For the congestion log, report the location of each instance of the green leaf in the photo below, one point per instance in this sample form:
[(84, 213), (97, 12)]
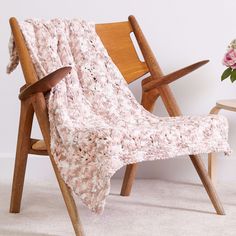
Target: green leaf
[(226, 74), (233, 75)]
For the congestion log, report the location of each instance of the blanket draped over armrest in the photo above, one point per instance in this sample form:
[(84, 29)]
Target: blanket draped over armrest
[(96, 124)]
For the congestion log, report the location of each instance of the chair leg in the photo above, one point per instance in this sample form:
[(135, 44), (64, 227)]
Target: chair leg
[(212, 156), (212, 167), (22, 149), (40, 109), (129, 178), (207, 183), (70, 204)]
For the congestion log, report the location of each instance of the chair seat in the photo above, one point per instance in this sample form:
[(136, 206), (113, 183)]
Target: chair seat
[(39, 146)]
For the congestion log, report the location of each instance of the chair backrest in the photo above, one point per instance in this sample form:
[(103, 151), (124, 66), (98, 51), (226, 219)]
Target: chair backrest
[(116, 39)]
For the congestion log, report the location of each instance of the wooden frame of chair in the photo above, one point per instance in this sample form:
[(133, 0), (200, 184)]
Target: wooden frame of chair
[(116, 38)]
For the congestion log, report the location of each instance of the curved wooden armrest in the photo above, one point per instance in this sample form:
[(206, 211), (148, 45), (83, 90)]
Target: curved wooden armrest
[(155, 83), (45, 84)]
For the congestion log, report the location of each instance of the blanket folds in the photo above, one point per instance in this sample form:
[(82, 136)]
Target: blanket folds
[(96, 124)]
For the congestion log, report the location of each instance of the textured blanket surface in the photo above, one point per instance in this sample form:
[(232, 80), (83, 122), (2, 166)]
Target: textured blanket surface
[(96, 124)]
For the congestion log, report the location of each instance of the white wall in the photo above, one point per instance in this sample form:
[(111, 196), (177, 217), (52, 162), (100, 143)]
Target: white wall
[(180, 33)]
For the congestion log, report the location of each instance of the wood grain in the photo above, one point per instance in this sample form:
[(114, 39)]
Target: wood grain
[(22, 150), (45, 84), (117, 40), (167, 79)]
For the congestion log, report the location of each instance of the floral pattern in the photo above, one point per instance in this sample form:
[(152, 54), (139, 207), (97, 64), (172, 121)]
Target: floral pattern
[(96, 124)]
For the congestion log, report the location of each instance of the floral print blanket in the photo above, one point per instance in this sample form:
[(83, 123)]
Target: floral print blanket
[(96, 124)]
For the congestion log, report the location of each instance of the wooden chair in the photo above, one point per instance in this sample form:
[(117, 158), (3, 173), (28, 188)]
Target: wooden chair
[(116, 38)]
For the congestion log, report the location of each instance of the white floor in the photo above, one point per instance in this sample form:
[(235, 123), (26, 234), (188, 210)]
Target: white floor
[(155, 208)]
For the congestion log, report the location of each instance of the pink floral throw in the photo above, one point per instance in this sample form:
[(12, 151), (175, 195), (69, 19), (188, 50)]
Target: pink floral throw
[(97, 126)]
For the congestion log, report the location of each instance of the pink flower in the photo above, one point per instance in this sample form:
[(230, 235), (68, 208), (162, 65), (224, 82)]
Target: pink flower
[(230, 58)]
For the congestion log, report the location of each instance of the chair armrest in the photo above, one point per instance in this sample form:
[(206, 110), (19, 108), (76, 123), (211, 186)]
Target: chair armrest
[(45, 84), (156, 83)]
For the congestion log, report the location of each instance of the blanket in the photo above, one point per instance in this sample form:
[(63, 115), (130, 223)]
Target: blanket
[(96, 124)]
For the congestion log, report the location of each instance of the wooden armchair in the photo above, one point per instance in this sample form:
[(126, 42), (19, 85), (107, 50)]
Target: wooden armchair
[(116, 38)]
